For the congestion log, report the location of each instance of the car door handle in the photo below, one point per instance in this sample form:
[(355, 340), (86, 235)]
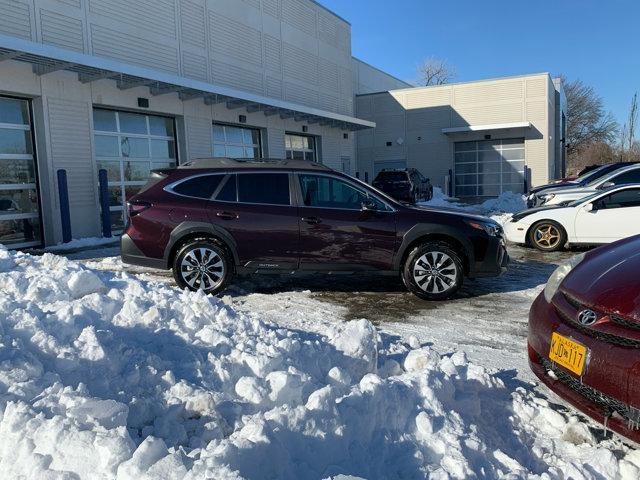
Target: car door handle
[(312, 220), (227, 215)]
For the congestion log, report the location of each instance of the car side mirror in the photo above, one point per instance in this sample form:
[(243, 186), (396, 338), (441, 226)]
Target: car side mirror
[(589, 207), (606, 185), (368, 206)]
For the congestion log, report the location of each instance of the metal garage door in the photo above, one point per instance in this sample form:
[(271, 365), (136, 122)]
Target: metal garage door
[(19, 206), (129, 145), (490, 167)]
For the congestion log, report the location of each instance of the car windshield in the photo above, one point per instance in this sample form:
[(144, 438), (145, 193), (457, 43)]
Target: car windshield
[(392, 176), (582, 200), (380, 193), (591, 174)]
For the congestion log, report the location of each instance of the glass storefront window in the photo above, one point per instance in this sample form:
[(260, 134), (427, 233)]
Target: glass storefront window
[(300, 147), (15, 141)]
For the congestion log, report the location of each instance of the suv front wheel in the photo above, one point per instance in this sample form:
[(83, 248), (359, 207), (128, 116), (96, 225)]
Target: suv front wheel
[(433, 271), (202, 264)]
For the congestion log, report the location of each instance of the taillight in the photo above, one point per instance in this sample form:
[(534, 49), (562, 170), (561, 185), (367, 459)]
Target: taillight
[(135, 207)]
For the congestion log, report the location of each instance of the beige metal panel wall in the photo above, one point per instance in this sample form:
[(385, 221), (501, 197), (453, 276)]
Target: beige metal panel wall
[(287, 49), (418, 115), (368, 79)]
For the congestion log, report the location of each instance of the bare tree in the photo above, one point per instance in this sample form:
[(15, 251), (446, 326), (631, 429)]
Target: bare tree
[(587, 121), (628, 144), (435, 71)]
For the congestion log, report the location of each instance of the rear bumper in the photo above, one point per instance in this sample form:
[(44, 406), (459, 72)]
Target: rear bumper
[(582, 393), (132, 255)]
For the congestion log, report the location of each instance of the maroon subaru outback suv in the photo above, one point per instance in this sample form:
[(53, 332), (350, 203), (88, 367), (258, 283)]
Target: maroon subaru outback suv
[(212, 218)]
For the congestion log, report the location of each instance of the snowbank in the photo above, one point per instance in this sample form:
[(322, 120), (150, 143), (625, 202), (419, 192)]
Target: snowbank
[(103, 375), (500, 208), (81, 243)]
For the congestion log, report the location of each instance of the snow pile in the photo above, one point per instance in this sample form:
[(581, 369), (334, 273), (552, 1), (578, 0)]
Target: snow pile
[(500, 208), (81, 243), (103, 375)]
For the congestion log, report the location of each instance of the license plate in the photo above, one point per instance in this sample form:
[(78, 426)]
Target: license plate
[(564, 351)]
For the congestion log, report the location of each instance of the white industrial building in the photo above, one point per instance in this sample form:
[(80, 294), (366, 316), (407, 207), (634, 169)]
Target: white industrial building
[(132, 85)]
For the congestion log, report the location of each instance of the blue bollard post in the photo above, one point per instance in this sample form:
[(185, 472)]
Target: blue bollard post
[(65, 216), (105, 213)]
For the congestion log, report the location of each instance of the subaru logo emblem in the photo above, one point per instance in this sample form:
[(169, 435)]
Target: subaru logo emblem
[(587, 317)]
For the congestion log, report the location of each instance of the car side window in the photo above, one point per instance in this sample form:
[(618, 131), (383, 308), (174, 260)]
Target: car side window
[(327, 192), (264, 188), (202, 186), (632, 176), (623, 199), (229, 191)]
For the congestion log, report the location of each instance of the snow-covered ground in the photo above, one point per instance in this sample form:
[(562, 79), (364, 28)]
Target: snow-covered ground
[(109, 371)]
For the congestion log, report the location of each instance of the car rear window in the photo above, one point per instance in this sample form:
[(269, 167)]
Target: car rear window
[(392, 176), (202, 186), (264, 188)]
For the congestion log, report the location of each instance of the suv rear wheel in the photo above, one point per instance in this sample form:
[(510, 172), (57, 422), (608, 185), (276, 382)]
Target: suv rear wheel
[(202, 264), (433, 271)]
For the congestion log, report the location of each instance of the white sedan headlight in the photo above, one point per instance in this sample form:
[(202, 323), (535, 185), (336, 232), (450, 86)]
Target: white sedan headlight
[(559, 275), (545, 197)]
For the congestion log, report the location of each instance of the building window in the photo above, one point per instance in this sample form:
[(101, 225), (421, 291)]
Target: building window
[(19, 207), (128, 146), (236, 142), (300, 147), (490, 167)]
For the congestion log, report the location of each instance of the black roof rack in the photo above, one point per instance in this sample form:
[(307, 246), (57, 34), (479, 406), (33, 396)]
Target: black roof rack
[(250, 163)]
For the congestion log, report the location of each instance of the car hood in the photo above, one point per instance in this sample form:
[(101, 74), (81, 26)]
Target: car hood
[(608, 279), (525, 213), (450, 211), (549, 186)]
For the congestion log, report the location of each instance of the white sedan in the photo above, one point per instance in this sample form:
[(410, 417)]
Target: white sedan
[(604, 217)]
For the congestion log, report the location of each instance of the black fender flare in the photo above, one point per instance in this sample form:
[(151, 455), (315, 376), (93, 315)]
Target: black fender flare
[(188, 228), (425, 229)]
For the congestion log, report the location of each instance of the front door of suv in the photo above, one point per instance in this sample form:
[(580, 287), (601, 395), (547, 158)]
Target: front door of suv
[(336, 233), (255, 208)]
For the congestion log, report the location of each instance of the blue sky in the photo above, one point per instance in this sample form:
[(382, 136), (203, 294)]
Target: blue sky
[(596, 41)]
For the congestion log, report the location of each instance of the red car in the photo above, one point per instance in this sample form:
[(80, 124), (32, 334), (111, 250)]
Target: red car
[(584, 335)]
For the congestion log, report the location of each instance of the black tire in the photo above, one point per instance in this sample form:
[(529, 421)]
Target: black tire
[(216, 271), (547, 236), (449, 276)]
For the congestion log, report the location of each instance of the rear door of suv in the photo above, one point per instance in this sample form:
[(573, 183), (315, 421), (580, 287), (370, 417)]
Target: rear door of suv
[(257, 210), (336, 233)]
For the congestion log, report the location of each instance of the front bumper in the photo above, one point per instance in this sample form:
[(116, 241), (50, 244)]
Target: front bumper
[(496, 260), (515, 232), (602, 391)]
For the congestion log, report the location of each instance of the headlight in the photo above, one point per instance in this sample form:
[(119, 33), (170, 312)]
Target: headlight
[(491, 229), (545, 197), (559, 275)]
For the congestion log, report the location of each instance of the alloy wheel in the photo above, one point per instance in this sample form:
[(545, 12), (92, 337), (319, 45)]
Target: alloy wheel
[(547, 236), (202, 268), (435, 272)]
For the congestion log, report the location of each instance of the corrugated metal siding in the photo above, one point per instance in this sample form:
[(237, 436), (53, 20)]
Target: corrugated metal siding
[(274, 87), (331, 151), (15, 19), (428, 98), (297, 93), (71, 3), (272, 7), (300, 15), (128, 48), (300, 64), (536, 87), (192, 23), (237, 77), (275, 141), (71, 148), (154, 16), (229, 38), (328, 77), (194, 66), (253, 3), (61, 30), (272, 53), (487, 114), (488, 92), (199, 140), (329, 102)]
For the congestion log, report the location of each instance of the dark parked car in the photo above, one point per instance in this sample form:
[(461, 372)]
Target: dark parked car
[(588, 175), (213, 218), (584, 335), (406, 185)]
